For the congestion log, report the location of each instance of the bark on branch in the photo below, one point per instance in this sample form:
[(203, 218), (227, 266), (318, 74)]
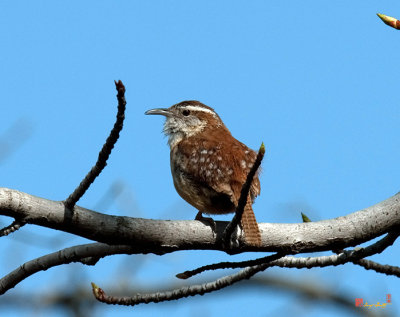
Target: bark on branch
[(159, 236)]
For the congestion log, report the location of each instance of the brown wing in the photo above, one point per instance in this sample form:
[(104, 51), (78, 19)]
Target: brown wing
[(209, 174), (221, 164)]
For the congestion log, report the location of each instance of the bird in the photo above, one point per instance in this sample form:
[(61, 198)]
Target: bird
[(208, 165)]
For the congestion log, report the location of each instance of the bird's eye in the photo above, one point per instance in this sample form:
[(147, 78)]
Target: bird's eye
[(186, 112)]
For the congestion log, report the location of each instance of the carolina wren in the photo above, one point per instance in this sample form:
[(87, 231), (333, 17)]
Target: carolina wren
[(208, 165)]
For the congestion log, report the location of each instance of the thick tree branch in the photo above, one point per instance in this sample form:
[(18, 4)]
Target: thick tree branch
[(166, 235)]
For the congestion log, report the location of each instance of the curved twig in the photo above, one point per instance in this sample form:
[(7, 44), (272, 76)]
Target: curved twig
[(367, 264), (246, 273), (379, 268), (192, 290), (223, 265), (105, 151), (356, 255), (243, 196)]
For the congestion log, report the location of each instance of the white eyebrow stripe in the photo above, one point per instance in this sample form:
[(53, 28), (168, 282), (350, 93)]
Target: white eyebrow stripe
[(198, 108)]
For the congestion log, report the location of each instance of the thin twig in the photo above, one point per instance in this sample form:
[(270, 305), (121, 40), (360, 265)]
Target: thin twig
[(378, 247), (105, 151), (375, 266), (308, 262), (187, 291), (16, 225), (224, 265), (368, 264), (246, 273), (379, 268), (76, 298), (244, 194)]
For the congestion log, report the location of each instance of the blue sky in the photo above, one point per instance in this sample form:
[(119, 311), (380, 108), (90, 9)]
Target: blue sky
[(315, 80)]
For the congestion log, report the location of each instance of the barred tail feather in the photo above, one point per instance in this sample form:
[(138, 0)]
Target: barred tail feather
[(250, 227)]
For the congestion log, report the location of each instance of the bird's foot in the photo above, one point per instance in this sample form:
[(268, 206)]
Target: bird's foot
[(207, 221)]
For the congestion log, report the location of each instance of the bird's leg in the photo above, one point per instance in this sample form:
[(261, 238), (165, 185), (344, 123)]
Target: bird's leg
[(206, 220)]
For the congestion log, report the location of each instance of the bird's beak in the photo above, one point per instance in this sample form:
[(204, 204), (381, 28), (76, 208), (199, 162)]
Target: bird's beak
[(161, 111)]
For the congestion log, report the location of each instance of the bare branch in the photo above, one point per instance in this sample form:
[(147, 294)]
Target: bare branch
[(164, 236), (105, 151), (16, 225), (305, 262), (367, 264), (244, 195), (80, 253), (378, 247), (78, 298), (192, 290), (90, 253), (223, 265), (377, 267), (246, 273)]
